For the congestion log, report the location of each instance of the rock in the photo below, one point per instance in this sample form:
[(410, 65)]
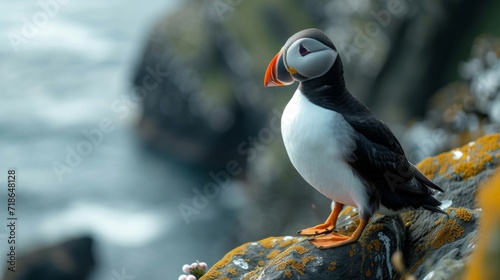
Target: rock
[(460, 172), (448, 268), (297, 258), (434, 242), (71, 260), (433, 245), (485, 259)]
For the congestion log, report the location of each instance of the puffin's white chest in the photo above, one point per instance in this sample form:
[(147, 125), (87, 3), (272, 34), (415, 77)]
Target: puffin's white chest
[(317, 141)]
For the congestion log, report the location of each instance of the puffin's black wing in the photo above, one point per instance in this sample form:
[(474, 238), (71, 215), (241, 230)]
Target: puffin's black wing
[(380, 160)]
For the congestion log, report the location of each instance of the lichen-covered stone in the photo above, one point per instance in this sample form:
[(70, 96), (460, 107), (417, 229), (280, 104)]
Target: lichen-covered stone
[(460, 172), (296, 258), (433, 238), (433, 245), (464, 162)]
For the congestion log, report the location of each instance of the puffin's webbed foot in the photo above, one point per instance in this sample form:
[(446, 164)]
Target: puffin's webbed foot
[(331, 240), (319, 229), (335, 239), (327, 226)]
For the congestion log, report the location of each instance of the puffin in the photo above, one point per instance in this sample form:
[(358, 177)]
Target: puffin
[(338, 145)]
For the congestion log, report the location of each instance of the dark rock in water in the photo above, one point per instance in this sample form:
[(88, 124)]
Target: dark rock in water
[(71, 260), (433, 245), (297, 258)]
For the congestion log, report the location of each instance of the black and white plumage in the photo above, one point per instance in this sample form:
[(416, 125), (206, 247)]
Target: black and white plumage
[(337, 144)]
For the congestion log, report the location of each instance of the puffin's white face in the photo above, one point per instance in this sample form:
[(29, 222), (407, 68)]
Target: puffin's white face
[(309, 59), (304, 59)]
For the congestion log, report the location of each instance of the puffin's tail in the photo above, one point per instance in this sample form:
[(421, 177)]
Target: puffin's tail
[(423, 180), (431, 203)]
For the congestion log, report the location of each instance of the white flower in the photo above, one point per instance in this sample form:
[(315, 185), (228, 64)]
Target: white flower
[(186, 268)]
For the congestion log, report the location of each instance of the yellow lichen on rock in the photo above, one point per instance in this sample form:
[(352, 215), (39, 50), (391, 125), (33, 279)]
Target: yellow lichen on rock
[(214, 272), (465, 162), (297, 266), (485, 259), (450, 232), (248, 276), (272, 254), (268, 243), (299, 249), (442, 234), (464, 214), (287, 242), (467, 169), (352, 251), (276, 246), (374, 228), (291, 263), (374, 245), (332, 266)]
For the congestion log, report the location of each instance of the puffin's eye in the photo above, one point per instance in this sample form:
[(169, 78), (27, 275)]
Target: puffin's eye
[(303, 51)]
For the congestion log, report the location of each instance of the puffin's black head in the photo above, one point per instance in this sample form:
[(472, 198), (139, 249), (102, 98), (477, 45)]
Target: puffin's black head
[(307, 55)]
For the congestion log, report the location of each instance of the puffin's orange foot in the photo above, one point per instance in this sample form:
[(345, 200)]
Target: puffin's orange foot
[(327, 226), (332, 240), (319, 229)]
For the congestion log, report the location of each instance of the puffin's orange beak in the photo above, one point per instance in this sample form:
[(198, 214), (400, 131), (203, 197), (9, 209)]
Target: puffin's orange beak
[(276, 73)]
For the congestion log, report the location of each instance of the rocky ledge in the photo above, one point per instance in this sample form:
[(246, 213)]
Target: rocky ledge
[(432, 245)]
